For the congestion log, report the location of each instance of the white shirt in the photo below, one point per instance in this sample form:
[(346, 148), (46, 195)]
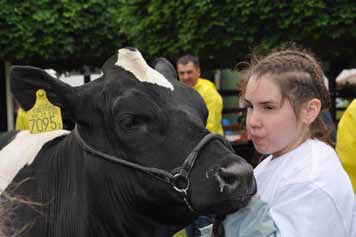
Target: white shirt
[(308, 191)]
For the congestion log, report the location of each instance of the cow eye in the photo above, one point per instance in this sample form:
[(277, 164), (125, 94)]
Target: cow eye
[(129, 122)]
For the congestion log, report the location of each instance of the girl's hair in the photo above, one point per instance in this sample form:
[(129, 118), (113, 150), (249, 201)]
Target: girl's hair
[(300, 78)]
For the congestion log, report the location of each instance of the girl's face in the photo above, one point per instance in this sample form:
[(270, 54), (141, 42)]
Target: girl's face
[(271, 121)]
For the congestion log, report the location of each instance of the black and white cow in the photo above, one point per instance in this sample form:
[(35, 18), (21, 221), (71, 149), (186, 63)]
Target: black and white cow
[(138, 163)]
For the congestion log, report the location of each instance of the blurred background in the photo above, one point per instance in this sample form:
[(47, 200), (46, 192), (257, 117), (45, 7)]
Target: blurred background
[(73, 38)]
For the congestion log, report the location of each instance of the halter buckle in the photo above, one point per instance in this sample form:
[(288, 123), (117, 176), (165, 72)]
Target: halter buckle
[(181, 183)]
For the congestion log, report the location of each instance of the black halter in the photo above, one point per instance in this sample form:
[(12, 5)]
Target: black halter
[(178, 178)]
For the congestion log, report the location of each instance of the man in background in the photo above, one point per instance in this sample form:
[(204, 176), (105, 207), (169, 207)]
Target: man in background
[(188, 68)]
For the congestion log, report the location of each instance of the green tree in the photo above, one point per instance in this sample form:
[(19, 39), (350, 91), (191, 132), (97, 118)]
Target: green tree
[(224, 32), (62, 34)]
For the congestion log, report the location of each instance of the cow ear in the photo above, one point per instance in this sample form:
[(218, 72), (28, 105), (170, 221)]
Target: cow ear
[(165, 67), (26, 80)]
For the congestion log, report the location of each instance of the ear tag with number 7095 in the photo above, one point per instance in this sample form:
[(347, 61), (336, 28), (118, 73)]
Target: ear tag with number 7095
[(44, 116)]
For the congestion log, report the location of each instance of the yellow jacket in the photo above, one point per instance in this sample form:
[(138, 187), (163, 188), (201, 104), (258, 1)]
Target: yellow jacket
[(346, 141), (213, 102)]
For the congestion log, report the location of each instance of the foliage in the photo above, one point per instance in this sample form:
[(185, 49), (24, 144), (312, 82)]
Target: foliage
[(70, 33), (224, 32), (59, 33)]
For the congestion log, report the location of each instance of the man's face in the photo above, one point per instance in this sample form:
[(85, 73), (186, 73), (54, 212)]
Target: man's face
[(188, 73)]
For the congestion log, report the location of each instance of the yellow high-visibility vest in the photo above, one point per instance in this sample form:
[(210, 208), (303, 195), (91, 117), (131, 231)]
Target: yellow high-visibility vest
[(214, 103)]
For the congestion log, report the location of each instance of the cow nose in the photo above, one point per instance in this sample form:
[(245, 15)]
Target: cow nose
[(231, 178)]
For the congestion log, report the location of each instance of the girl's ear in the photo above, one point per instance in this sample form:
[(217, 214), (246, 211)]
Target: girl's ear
[(310, 111)]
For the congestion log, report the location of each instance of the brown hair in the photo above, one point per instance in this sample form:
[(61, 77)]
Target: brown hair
[(300, 78)]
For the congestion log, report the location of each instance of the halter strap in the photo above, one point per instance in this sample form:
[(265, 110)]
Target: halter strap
[(178, 178)]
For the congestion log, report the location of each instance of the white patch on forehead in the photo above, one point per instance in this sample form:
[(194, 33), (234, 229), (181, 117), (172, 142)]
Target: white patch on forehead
[(133, 61), (22, 151)]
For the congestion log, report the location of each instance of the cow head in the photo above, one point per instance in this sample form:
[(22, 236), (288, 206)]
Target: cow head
[(148, 154)]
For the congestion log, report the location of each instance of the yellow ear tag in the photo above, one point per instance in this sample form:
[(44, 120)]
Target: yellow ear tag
[(44, 116)]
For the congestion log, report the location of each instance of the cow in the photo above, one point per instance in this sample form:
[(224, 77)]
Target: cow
[(139, 161)]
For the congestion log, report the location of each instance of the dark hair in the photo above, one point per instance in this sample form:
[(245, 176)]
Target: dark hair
[(299, 76), (188, 58)]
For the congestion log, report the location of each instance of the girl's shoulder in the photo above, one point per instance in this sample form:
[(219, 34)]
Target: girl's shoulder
[(314, 154), (312, 161), (308, 153), (318, 164), (322, 147)]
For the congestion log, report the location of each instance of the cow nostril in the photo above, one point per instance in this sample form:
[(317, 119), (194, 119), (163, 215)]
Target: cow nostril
[(228, 181), (228, 176)]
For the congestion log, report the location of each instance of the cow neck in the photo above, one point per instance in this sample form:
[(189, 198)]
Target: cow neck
[(178, 178)]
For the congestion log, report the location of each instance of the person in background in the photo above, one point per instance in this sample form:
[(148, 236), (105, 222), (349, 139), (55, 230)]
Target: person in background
[(346, 141), (188, 69), (302, 188)]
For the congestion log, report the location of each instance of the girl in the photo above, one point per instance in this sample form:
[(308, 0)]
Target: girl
[(302, 188)]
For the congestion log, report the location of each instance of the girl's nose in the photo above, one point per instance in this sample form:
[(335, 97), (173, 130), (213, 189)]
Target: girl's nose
[(253, 119)]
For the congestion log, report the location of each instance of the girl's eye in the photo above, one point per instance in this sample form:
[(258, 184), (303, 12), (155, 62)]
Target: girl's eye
[(268, 107)]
